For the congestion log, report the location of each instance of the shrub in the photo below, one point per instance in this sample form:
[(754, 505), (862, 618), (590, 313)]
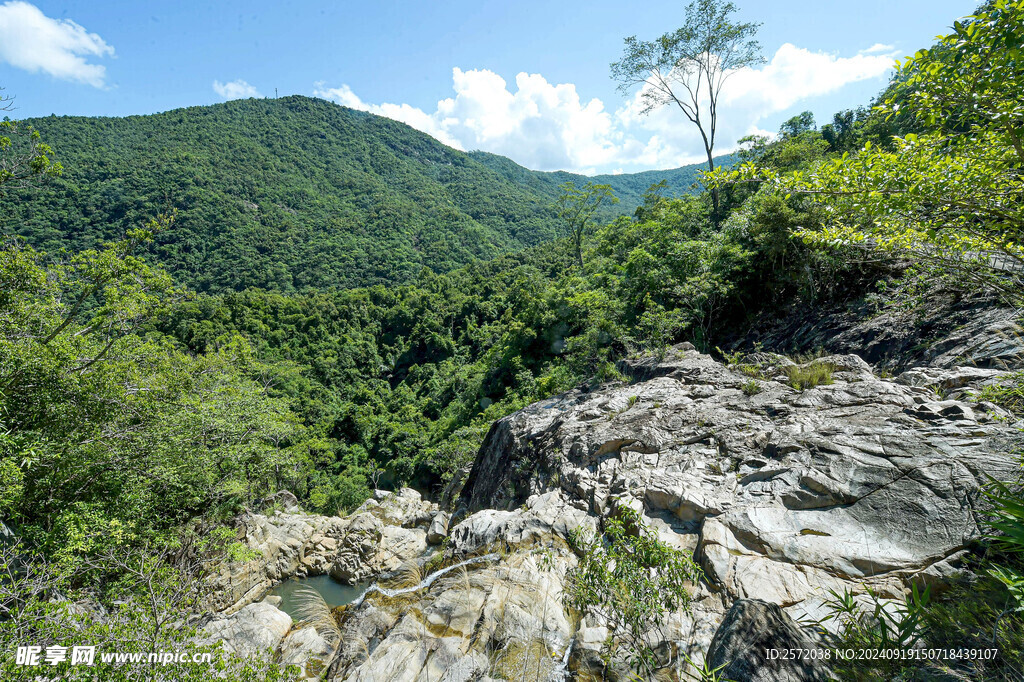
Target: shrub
[(752, 371), (631, 581)]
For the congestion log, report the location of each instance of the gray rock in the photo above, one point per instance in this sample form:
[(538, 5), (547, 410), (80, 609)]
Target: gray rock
[(285, 498), (490, 620), (297, 544), (785, 492), (451, 492), (750, 631), (942, 332), (405, 508), (543, 520), (942, 379), (438, 530), (782, 495), (254, 630), (283, 545), (398, 545), (307, 649)]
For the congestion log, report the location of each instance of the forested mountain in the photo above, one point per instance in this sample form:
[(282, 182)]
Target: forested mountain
[(291, 194), (628, 187), (635, 441)]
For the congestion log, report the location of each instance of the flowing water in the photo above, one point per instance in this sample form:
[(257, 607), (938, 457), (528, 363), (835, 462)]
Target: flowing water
[(333, 592), (425, 583), (337, 594)]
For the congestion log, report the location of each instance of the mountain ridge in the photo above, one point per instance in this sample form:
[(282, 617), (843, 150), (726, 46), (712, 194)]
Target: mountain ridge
[(291, 194)]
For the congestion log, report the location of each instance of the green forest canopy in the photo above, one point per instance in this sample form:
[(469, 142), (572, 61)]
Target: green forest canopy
[(291, 194)]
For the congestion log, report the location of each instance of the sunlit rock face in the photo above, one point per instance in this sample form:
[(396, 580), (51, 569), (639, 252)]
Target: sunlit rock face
[(781, 494)]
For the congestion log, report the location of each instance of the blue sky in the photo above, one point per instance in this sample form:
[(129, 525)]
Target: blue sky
[(526, 79)]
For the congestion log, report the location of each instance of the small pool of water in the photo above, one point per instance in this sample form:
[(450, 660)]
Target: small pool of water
[(333, 592)]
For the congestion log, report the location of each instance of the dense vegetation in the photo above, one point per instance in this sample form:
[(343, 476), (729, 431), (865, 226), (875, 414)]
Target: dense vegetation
[(139, 414), (630, 188), (289, 194)]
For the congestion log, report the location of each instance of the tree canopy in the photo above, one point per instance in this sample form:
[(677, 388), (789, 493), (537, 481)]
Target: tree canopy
[(289, 194), (951, 195), (576, 207), (690, 66)]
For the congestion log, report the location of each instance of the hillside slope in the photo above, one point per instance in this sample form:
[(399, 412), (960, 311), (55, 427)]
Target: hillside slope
[(628, 187), (285, 194)]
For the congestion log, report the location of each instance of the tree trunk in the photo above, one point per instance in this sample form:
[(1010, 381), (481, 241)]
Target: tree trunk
[(714, 191)]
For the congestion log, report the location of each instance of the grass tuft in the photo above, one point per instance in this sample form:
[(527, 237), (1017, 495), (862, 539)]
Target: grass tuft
[(313, 610), (809, 376), (1009, 393)]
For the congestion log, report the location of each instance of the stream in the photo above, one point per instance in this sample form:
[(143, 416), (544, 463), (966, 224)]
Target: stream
[(333, 592)]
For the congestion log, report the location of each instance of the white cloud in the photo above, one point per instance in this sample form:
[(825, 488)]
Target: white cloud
[(540, 125), (34, 42), (879, 48), (405, 113), (237, 89), (549, 126), (795, 74)]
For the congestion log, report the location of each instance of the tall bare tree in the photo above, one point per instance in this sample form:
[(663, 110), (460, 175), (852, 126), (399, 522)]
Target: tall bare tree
[(576, 207), (689, 66)]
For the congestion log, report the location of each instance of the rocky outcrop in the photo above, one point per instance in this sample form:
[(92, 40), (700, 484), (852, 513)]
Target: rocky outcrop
[(543, 520), (498, 611), (280, 546), (864, 480), (781, 494), (385, 531), (499, 617), (263, 630), (759, 642), (254, 630), (308, 650), (438, 529), (942, 331)]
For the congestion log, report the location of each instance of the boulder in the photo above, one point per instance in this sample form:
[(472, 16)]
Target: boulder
[(358, 546), (545, 519), (307, 649), (405, 508), (297, 544), (438, 529), (253, 630), (283, 498), (947, 379), (398, 545)]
